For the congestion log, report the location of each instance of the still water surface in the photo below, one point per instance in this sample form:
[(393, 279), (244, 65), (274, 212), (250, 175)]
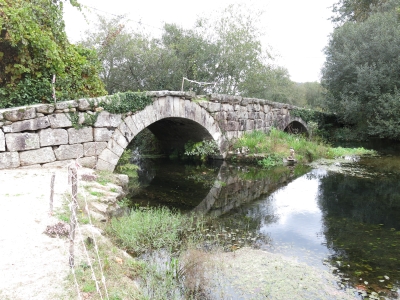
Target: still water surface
[(345, 218)]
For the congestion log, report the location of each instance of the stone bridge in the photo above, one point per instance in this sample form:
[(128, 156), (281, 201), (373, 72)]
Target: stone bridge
[(47, 135)]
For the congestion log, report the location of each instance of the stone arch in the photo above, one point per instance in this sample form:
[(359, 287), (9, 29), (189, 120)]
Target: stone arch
[(296, 125), (162, 108)]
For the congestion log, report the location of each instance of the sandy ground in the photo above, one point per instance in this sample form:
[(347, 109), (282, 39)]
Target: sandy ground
[(32, 264)]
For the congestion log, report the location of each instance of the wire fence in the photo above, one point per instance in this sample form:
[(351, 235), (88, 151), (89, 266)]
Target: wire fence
[(77, 248)]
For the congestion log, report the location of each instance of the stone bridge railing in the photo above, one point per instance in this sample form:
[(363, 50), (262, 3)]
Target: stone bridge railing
[(51, 135)]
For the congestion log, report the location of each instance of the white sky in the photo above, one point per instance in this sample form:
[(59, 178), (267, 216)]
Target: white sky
[(296, 30)]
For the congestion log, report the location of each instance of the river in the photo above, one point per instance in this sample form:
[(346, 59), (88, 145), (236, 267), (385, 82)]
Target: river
[(343, 217)]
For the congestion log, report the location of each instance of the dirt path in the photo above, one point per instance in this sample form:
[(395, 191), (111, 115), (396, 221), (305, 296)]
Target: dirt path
[(32, 264)]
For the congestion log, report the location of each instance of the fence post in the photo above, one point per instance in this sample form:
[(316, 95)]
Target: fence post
[(72, 171), (53, 176)]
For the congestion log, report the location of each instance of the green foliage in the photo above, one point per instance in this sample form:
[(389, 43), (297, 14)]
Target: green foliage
[(224, 49), (148, 228), (270, 161), (361, 72), (122, 103), (34, 47), (275, 146), (201, 149)]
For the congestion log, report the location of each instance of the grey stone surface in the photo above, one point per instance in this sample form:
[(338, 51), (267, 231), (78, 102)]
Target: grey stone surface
[(7, 129), (66, 104), (22, 141), (122, 139), (30, 125), (58, 164), (115, 147), (59, 120), (109, 156), (1, 116), (88, 162), (9, 160), (45, 109), (104, 165), (93, 148), (80, 135), (39, 156), (64, 152), (2, 141), (102, 134), (105, 119), (83, 104), (53, 137), (23, 113), (214, 107)]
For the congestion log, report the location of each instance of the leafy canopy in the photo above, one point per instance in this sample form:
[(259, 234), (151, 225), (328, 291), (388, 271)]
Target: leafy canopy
[(33, 47), (361, 72)]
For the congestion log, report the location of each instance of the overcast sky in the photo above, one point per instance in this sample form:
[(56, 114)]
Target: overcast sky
[(296, 30)]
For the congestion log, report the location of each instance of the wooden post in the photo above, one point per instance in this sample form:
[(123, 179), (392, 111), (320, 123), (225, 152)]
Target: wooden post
[(74, 204), (53, 176)]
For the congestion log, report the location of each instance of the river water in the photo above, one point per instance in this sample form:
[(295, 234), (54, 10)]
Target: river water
[(343, 217)]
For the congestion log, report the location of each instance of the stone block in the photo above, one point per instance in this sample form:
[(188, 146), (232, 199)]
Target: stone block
[(109, 156), (249, 125), (64, 152), (22, 141), (232, 126), (259, 124), (1, 116), (115, 147), (93, 148), (2, 141), (102, 134), (58, 164), (82, 135), (30, 125), (45, 109), (60, 120), (232, 116), (53, 137), (104, 165), (227, 107), (214, 107), (105, 119), (131, 125), (88, 162), (122, 139), (83, 105), (20, 114), (39, 156), (9, 160), (66, 104)]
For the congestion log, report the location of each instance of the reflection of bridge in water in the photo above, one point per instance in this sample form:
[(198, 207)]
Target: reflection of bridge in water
[(234, 187)]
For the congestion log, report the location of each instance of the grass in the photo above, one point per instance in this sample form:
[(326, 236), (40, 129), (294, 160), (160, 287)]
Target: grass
[(275, 146), (148, 228)]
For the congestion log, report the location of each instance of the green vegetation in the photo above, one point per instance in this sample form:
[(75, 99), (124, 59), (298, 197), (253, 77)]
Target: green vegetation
[(224, 49), (148, 228), (34, 47), (201, 150), (361, 69), (275, 146)]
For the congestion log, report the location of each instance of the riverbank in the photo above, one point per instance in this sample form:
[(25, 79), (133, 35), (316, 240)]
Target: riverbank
[(35, 266)]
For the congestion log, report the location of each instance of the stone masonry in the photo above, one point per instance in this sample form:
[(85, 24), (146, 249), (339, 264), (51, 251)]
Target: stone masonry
[(43, 135)]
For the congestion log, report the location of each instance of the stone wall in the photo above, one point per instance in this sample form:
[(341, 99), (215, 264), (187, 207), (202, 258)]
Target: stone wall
[(53, 135)]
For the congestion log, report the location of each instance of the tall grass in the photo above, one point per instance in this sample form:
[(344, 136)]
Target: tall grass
[(149, 228), (275, 145)]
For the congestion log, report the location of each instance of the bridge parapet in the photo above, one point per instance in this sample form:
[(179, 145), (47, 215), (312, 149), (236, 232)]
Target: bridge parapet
[(52, 135)]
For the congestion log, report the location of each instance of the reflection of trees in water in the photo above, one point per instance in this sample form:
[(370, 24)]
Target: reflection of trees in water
[(362, 226)]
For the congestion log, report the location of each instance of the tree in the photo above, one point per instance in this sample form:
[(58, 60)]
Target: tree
[(34, 47), (354, 10), (362, 69)]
